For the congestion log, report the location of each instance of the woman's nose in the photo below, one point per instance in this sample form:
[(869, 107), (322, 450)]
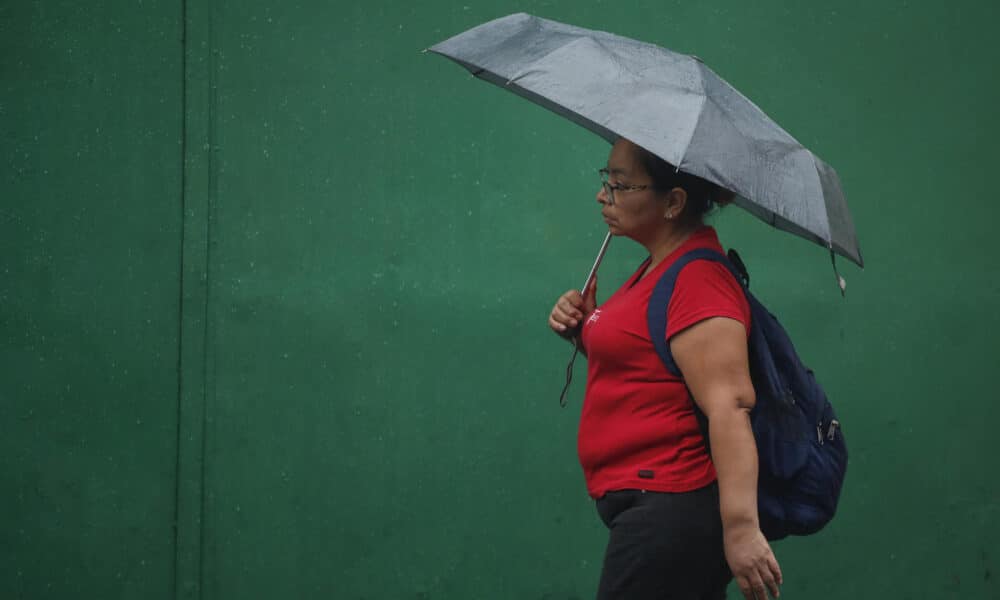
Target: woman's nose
[(602, 195)]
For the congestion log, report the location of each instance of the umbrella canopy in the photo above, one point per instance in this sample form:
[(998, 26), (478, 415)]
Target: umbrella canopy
[(670, 104)]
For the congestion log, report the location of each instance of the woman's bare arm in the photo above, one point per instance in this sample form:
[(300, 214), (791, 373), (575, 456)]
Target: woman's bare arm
[(712, 355)]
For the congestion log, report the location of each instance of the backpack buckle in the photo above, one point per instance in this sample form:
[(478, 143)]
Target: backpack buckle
[(832, 432), (741, 268)]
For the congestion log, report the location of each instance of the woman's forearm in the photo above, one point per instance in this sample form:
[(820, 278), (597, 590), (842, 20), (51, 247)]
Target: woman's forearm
[(734, 454)]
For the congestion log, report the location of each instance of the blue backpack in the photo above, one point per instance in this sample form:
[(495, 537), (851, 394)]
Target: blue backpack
[(800, 446)]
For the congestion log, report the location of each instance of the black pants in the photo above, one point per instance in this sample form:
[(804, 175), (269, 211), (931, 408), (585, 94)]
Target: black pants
[(663, 546)]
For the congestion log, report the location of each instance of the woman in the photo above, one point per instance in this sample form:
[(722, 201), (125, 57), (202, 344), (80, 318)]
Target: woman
[(681, 523)]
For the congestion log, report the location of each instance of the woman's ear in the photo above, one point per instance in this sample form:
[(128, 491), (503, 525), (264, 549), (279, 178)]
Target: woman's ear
[(676, 201)]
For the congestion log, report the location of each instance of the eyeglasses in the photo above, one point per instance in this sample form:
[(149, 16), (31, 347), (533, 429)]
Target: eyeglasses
[(611, 188)]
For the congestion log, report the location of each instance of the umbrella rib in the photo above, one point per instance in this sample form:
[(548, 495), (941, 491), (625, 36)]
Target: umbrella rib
[(852, 254), (701, 111)]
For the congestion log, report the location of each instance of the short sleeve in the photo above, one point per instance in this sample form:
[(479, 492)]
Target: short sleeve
[(705, 289)]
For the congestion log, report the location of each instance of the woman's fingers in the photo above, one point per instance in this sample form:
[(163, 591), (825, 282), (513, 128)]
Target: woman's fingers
[(759, 591), (567, 317), (571, 304), (775, 572), (571, 298), (556, 325), (753, 590), (772, 586), (764, 582), (756, 585), (746, 588), (568, 312)]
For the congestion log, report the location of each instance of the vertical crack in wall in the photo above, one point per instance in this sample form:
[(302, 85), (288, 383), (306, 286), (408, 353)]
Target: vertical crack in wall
[(194, 342)]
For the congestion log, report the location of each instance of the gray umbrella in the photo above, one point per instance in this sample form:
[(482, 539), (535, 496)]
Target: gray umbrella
[(670, 104)]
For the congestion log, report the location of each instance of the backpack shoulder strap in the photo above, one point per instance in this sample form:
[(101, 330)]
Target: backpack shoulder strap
[(659, 301)]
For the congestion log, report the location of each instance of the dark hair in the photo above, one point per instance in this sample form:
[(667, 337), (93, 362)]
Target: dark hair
[(702, 195)]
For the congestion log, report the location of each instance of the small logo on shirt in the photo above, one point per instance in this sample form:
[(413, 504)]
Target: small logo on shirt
[(594, 316)]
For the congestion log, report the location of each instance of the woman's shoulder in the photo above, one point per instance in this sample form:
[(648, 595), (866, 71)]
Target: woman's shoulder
[(709, 273), (706, 289)]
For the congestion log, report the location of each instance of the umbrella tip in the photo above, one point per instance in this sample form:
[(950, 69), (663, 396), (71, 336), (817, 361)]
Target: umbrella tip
[(841, 282)]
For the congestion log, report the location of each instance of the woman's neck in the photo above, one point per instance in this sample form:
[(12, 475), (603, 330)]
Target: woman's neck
[(670, 240)]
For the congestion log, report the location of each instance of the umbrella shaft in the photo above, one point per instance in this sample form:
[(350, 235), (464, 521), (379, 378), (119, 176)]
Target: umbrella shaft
[(597, 263)]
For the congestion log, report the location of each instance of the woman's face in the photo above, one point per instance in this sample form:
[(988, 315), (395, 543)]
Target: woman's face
[(637, 214)]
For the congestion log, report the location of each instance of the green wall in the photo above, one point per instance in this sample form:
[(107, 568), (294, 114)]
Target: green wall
[(274, 288), (90, 220)]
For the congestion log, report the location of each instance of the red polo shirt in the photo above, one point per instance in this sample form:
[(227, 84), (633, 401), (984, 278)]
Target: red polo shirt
[(638, 428)]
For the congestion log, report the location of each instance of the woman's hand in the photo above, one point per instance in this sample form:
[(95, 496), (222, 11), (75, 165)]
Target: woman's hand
[(570, 310), (753, 564)]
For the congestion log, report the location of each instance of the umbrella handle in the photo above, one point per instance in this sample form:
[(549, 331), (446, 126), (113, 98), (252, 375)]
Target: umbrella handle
[(576, 332)]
